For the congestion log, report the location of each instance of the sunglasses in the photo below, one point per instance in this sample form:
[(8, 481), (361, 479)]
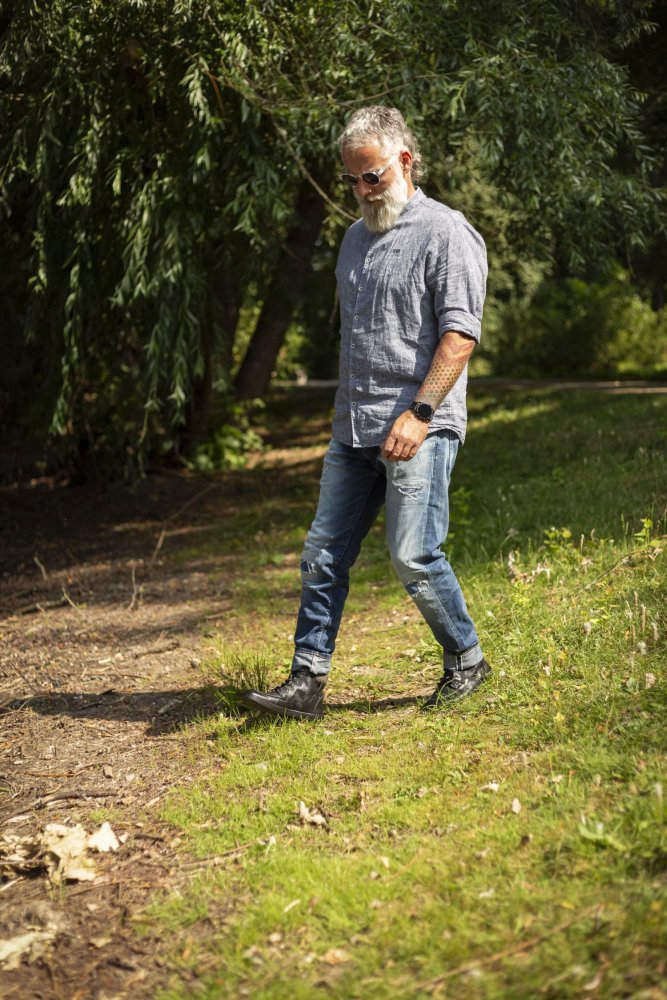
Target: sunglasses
[(370, 177)]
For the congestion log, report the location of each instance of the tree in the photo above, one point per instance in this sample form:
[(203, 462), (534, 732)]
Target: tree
[(158, 162)]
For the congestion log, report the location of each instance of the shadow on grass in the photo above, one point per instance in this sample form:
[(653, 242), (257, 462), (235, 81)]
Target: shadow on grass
[(166, 712), (533, 459)]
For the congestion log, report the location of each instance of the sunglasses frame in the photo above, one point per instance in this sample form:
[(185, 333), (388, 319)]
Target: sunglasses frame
[(371, 177)]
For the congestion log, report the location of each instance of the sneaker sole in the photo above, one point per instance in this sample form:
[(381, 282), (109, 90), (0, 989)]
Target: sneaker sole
[(286, 713)]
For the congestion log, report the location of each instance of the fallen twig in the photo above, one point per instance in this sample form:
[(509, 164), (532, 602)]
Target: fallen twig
[(35, 690), (217, 859), (69, 601), (154, 650), (136, 591), (37, 560), (44, 800), (619, 562), (514, 950), (172, 517), (41, 606), (63, 774)]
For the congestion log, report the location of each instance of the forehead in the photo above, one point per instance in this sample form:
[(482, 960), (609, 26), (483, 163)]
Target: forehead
[(370, 156)]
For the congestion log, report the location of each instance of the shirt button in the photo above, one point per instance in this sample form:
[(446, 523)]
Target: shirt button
[(356, 315), (361, 288)]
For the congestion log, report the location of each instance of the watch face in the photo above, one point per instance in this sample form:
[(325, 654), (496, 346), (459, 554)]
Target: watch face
[(423, 410)]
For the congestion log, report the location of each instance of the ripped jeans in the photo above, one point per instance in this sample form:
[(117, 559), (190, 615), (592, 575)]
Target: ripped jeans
[(355, 483)]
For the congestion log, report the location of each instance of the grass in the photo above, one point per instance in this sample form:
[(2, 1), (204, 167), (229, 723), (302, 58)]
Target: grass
[(512, 846)]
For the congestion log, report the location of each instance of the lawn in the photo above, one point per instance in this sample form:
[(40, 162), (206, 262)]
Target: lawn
[(514, 845)]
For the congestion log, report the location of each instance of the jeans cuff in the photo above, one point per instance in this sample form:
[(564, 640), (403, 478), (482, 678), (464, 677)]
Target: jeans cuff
[(308, 659), (462, 661)]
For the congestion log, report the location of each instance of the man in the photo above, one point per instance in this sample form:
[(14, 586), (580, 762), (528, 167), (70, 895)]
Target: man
[(411, 276)]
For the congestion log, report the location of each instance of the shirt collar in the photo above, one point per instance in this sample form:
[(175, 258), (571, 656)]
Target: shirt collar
[(416, 200)]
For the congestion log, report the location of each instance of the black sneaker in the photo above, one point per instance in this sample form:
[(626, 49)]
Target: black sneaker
[(301, 696), (457, 684)]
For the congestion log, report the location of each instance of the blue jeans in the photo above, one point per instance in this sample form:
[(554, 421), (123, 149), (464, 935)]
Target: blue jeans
[(355, 483)]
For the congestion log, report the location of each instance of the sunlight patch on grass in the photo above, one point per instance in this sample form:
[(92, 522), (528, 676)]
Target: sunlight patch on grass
[(533, 813)]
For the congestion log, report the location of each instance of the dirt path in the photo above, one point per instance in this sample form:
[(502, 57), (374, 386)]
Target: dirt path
[(100, 646)]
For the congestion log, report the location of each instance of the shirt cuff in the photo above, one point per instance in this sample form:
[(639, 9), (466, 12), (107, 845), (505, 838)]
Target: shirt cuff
[(461, 321)]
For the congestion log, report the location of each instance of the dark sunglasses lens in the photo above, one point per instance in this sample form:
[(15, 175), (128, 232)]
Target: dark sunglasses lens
[(370, 178)]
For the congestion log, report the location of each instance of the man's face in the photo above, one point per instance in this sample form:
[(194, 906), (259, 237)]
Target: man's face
[(382, 203)]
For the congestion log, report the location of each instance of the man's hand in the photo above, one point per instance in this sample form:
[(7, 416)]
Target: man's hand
[(405, 438)]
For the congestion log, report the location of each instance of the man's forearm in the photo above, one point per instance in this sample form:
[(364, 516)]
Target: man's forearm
[(449, 360), (408, 431)]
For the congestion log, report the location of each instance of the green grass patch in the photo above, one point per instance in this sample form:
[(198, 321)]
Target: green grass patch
[(512, 846)]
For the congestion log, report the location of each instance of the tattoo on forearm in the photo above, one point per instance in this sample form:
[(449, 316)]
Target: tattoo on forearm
[(439, 382), (448, 363)]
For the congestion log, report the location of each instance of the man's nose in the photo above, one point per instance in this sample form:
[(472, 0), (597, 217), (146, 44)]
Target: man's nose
[(363, 188)]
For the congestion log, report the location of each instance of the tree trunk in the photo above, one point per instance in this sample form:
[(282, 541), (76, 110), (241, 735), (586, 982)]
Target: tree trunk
[(202, 393), (216, 345), (290, 275)]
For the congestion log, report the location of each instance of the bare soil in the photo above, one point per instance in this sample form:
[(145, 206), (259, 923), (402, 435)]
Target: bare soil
[(100, 648)]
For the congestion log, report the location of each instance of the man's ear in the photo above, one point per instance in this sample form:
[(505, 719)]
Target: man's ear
[(405, 157)]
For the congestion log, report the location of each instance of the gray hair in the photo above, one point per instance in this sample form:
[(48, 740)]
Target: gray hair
[(385, 125)]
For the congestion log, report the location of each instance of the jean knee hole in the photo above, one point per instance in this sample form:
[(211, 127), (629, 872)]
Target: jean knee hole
[(412, 491)]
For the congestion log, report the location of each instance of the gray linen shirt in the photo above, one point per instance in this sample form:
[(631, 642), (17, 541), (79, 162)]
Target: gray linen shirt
[(399, 292)]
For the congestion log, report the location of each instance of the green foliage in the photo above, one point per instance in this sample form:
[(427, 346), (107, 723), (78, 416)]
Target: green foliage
[(574, 327), (228, 446), (151, 154)]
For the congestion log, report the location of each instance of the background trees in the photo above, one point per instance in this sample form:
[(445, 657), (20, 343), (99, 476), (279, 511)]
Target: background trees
[(170, 209)]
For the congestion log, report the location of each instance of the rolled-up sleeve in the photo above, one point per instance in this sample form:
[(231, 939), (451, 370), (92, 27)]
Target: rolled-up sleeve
[(456, 276)]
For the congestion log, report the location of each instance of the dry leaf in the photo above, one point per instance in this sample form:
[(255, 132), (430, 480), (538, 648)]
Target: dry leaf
[(314, 817), (66, 853), (104, 840), (29, 946), (43, 925), (649, 680), (595, 982), (100, 942), (107, 771), (516, 807), (290, 906), (487, 894), (335, 956), (492, 786)]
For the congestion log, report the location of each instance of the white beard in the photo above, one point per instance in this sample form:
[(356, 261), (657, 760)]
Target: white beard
[(380, 211)]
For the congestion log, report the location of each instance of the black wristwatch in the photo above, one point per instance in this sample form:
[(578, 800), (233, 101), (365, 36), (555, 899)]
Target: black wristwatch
[(422, 411)]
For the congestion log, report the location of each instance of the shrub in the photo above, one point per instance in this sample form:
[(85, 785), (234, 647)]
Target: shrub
[(574, 327)]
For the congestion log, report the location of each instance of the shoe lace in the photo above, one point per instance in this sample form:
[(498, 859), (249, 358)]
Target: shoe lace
[(287, 686)]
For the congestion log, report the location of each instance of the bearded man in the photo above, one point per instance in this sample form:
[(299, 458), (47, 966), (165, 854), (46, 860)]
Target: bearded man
[(411, 277)]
